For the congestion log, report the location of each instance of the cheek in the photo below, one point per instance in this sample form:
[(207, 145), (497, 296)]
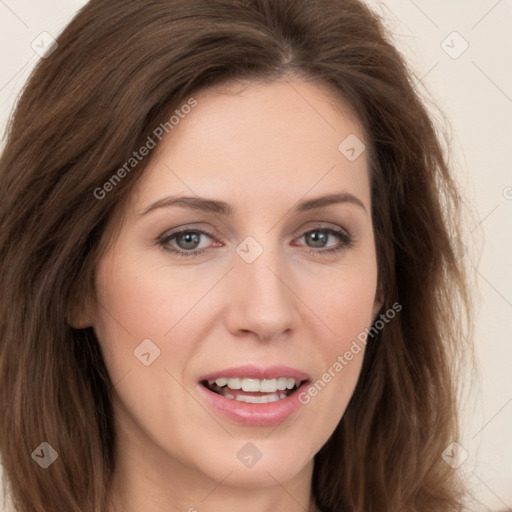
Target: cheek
[(139, 313), (140, 301), (347, 311), (136, 303), (346, 303), (133, 306), (133, 297)]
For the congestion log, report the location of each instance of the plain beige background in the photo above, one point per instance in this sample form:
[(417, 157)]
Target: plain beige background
[(461, 53)]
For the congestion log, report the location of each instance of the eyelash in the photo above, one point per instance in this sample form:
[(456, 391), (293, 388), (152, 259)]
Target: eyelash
[(345, 237)]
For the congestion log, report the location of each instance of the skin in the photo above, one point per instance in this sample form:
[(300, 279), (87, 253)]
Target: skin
[(261, 148)]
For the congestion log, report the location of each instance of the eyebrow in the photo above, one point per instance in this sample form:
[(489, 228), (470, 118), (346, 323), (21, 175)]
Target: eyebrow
[(223, 208)]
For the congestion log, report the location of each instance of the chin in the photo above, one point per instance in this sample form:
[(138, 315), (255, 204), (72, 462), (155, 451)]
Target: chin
[(257, 462)]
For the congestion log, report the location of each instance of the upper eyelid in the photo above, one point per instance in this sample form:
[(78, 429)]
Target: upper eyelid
[(311, 225), (302, 230), (168, 236)]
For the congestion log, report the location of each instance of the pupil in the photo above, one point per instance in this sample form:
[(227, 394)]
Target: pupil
[(317, 238), (189, 238)]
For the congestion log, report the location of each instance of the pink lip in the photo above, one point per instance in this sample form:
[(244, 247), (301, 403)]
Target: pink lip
[(254, 372), (243, 413)]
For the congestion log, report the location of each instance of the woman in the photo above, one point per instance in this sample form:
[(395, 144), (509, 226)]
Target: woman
[(226, 266)]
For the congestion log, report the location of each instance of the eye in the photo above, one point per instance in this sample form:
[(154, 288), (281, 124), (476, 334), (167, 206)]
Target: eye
[(186, 242), (193, 242), (188, 239), (318, 238)]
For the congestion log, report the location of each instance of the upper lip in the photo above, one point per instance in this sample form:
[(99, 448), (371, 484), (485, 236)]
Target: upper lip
[(256, 372)]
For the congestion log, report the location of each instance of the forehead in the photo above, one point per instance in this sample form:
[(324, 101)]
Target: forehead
[(253, 139)]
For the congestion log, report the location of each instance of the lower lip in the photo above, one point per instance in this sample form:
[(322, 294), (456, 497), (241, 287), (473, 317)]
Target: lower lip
[(261, 415)]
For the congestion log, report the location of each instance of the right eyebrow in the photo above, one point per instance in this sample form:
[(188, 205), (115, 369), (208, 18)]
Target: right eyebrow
[(195, 203)]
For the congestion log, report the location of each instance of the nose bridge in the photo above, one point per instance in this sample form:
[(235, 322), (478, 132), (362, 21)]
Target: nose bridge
[(261, 302)]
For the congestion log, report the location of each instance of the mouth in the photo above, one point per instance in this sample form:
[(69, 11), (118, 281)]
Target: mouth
[(254, 391), (254, 395)]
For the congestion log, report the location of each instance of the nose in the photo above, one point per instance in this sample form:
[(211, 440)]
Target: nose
[(261, 298)]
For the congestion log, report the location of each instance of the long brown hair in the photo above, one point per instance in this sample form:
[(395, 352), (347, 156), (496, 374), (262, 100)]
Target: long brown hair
[(120, 67)]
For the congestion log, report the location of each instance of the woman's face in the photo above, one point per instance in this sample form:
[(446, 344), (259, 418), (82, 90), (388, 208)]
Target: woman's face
[(261, 274)]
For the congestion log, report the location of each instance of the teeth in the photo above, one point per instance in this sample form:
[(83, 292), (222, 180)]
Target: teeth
[(250, 385), (268, 386), (281, 383), (234, 383), (256, 385), (259, 399)]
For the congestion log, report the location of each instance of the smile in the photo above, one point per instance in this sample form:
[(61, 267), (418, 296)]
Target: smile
[(251, 395), (254, 391)]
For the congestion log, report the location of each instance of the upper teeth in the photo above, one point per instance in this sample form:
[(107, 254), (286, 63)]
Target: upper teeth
[(256, 385)]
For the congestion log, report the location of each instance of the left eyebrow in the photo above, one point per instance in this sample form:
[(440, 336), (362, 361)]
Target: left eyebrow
[(323, 201), (223, 208)]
